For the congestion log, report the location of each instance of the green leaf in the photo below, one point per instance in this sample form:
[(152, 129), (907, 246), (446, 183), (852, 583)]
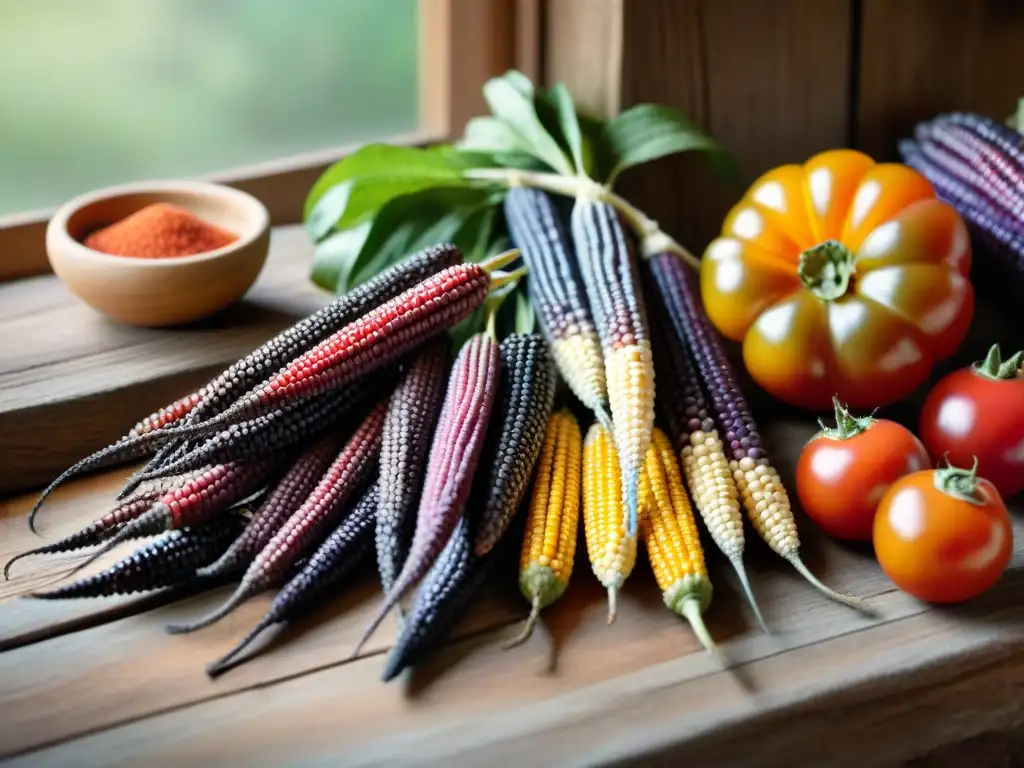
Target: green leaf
[(517, 110), (647, 132), (568, 123), (327, 211), (520, 82), (474, 233), (460, 215), (377, 174), (334, 257), (489, 134), (524, 313)]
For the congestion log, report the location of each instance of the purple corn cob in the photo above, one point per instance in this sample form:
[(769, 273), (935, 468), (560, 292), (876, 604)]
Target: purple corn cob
[(454, 455), (610, 275), (169, 561), (958, 178), (975, 161), (221, 391), (1008, 141), (326, 568), (275, 432), (99, 530), (378, 338), (349, 471), (694, 433), (408, 428), (202, 497), (440, 601), (526, 396), (985, 223), (762, 493), (286, 497), (556, 292)]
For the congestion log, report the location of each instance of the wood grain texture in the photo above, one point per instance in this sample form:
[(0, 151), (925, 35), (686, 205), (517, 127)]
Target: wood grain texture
[(579, 692), (922, 57), (71, 381), (768, 79)]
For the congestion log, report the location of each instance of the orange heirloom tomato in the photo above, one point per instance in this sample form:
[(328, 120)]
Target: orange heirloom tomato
[(843, 473), (841, 277), (943, 535)]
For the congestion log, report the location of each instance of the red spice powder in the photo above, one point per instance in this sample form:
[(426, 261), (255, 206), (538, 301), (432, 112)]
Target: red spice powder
[(160, 230)]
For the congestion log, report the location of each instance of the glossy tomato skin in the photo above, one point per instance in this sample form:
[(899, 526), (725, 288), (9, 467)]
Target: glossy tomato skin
[(937, 547), (908, 303), (969, 415), (840, 482)]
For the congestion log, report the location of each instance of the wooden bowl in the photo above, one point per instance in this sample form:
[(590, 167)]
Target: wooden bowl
[(167, 291)]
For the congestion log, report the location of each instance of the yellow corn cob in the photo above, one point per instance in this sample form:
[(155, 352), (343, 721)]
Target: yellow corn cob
[(549, 544), (767, 505), (612, 552), (630, 373), (670, 533), (716, 497)]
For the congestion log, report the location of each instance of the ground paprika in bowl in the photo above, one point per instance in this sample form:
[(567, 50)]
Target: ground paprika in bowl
[(158, 231), (162, 253)]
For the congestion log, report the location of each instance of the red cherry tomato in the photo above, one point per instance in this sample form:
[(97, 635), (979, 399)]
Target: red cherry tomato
[(978, 412), (943, 535), (844, 472)]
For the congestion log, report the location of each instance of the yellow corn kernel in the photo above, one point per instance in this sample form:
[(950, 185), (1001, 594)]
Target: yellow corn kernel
[(549, 543), (767, 505), (612, 552), (670, 533), (578, 358), (716, 498), (630, 374)]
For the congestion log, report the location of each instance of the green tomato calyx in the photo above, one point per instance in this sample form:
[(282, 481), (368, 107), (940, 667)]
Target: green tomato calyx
[(847, 425), (994, 367), (960, 483), (825, 270)]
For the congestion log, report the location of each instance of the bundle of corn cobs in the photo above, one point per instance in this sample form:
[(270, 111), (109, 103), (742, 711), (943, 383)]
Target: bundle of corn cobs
[(976, 164), (362, 428)]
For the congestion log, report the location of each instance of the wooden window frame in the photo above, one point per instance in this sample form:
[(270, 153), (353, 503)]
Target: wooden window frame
[(461, 44)]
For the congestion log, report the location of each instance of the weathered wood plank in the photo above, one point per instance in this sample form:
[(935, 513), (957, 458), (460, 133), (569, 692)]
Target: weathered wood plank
[(769, 80), (86, 661), (922, 57), (637, 688), (64, 394)]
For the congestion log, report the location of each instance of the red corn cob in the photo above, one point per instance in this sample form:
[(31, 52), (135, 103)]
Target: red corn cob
[(304, 529), (221, 391), (97, 531), (201, 498), (412, 417), (286, 497), (378, 338), (326, 568), (454, 454)]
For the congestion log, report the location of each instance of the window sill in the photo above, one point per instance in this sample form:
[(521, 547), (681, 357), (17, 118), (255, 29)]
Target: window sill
[(72, 377)]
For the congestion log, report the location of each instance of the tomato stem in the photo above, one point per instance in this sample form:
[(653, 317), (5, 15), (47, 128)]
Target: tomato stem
[(960, 483), (825, 269), (994, 367), (847, 425)]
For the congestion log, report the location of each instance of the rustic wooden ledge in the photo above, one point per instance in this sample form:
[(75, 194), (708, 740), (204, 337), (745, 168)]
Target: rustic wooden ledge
[(99, 682), (72, 381)]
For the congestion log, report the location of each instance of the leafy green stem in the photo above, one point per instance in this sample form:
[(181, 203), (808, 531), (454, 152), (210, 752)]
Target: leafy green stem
[(652, 238)]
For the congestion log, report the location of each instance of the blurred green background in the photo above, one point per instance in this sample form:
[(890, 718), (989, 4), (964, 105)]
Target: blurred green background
[(97, 92)]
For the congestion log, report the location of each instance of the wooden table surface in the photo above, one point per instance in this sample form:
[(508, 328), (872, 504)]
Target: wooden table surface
[(99, 682)]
